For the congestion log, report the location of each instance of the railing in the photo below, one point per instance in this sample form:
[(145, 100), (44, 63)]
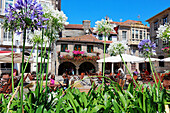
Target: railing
[(134, 41), (85, 54)]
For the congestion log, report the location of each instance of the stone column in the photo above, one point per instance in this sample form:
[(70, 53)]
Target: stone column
[(112, 68), (77, 70)]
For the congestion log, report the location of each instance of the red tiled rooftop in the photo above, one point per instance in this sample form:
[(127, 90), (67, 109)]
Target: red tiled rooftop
[(88, 38), (129, 22), (74, 26)]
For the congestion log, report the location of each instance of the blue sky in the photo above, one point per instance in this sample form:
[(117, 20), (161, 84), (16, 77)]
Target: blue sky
[(93, 10)]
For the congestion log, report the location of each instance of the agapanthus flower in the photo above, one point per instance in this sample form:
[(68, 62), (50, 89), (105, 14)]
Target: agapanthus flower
[(147, 47), (116, 48), (57, 19), (104, 27), (36, 37), (164, 32), (25, 14)]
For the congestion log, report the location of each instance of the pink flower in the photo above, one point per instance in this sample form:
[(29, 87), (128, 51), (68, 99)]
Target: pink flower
[(67, 51), (81, 52)]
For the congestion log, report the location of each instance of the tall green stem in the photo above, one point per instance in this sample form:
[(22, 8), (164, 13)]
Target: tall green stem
[(43, 68), (40, 72), (22, 76), (104, 63), (152, 70), (157, 75), (27, 62), (37, 66), (129, 71), (48, 62), (12, 71)]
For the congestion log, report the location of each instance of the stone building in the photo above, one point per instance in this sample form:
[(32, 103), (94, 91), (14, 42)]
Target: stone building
[(79, 37), (155, 21), (132, 32)]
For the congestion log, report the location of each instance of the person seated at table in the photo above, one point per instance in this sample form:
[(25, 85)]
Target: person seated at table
[(146, 72), (135, 72), (52, 80), (66, 81)]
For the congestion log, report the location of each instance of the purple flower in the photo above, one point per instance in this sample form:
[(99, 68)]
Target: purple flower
[(146, 47), (24, 15)]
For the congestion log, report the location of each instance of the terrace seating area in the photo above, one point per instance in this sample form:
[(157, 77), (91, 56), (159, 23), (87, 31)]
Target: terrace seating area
[(92, 78)]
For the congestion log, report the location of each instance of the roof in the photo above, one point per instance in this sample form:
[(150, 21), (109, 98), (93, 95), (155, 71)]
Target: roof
[(130, 23), (83, 38), (74, 26), (158, 14)]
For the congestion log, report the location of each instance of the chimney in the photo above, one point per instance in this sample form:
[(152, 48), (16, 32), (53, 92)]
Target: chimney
[(86, 25)]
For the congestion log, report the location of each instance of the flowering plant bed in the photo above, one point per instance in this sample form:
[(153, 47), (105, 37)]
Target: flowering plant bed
[(78, 58)]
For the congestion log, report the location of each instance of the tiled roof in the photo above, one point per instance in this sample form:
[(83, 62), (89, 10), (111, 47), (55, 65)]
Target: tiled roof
[(83, 38), (129, 23), (74, 26)]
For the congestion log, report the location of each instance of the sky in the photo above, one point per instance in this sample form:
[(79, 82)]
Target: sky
[(93, 10)]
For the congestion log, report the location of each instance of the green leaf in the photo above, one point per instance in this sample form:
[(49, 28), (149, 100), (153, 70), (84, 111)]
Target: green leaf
[(40, 109), (97, 108)]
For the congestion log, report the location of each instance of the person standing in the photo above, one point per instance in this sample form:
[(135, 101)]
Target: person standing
[(72, 71)]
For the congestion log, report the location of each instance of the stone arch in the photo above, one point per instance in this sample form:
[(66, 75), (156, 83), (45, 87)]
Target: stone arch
[(65, 67), (87, 67)]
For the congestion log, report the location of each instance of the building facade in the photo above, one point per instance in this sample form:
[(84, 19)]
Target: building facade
[(155, 21), (132, 32), (6, 39), (79, 37)]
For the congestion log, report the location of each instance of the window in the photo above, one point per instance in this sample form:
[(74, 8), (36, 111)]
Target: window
[(7, 2), (133, 66), (136, 33), (124, 35), (89, 48), (6, 65), (7, 36), (156, 42), (144, 35), (148, 36), (77, 47), (133, 34), (110, 38), (64, 47), (161, 63), (100, 37), (164, 20), (156, 25), (140, 34)]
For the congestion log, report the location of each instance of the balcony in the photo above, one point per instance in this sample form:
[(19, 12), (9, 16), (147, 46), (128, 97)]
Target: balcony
[(71, 56), (134, 41)]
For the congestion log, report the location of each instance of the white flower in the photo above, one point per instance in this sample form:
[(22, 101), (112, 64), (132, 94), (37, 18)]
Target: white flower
[(36, 37), (57, 19), (117, 47), (164, 32), (104, 27)]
